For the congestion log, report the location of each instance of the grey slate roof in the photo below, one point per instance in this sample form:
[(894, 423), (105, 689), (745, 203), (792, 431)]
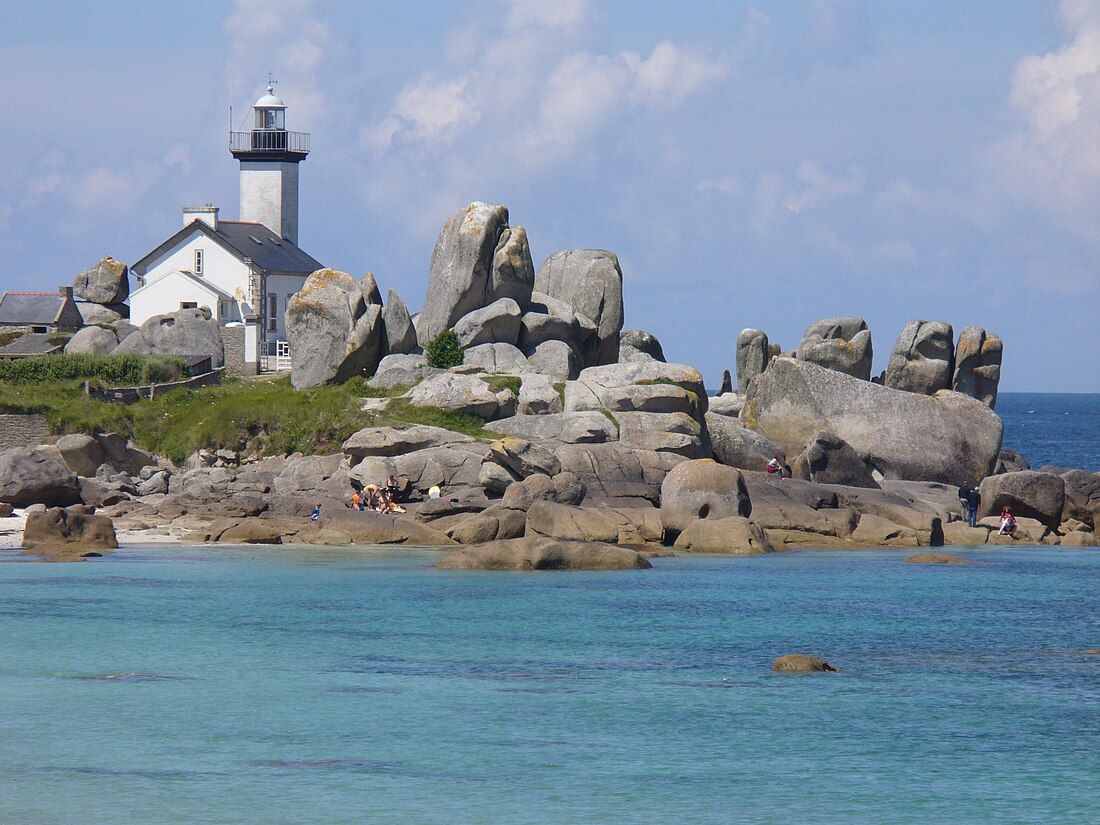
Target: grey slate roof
[(30, 307), (247, 240), (33, 344)]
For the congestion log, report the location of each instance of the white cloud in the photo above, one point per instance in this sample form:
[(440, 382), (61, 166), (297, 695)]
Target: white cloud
[(820, 187), (431, 111), (729, 186), (671, 74), (1055, 159)]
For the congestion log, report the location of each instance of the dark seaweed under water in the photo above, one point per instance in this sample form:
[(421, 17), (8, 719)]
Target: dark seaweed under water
[(274, 685)]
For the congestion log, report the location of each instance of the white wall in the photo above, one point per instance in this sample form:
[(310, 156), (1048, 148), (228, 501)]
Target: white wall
[(168, 291), (219, 266), (269, 194)]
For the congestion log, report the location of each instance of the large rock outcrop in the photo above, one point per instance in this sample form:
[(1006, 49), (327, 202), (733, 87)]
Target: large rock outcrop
[(591, 282), (477, 260), (1041, 496), (737, 446), (639, 345), (831, 460), (923, 358), (699, 490), (400, 332), (107, 282), (58, 530), (188, 333), (93, 340), (946, 437), (978, 365), (840, 344), (37, 475), (335, 333), (496, 323), (752, 356)]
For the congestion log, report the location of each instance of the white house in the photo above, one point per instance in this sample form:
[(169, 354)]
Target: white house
[(246, 270)]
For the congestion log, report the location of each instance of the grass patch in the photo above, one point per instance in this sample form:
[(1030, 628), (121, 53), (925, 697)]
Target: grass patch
[(559, 388), (651, 381), (65, 406), (268, 417), (503, 382), (402, 411), (611, 418)]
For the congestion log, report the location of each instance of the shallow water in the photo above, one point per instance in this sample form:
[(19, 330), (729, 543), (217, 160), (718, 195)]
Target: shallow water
[(272, 685)]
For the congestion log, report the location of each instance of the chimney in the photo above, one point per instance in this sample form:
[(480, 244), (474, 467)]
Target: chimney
[(207, 213), (65, 292)]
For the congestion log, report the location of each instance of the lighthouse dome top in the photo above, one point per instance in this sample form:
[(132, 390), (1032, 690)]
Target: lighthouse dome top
[(269, 100)]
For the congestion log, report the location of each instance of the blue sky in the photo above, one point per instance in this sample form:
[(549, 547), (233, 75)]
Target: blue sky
[(752, 164)]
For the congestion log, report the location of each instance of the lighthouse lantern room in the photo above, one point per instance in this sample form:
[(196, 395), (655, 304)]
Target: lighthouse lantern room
[(269, 156)]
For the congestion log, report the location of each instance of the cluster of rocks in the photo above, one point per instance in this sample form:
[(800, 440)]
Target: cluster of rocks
[(482, 285), (631, 458), (925, 359)]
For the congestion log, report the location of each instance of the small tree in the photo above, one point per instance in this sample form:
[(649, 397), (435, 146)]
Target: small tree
[(444, 351)]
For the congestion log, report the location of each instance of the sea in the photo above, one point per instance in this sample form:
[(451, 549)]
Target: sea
[(355, 685)]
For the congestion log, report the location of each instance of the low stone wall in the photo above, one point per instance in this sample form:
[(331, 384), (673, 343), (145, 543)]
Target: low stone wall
[(22, 430), (128, 395)]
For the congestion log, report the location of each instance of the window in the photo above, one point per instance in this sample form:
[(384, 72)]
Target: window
[(198, 262), (273, 313), (189, 305)]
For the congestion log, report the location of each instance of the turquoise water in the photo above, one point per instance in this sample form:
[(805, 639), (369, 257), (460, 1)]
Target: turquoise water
[(276, 686)]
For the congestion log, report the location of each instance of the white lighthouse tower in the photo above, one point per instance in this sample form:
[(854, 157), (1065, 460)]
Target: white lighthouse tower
[(269, 157)]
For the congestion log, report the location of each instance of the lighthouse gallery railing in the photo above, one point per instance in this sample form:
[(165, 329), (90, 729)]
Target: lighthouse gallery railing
[(273, 141)]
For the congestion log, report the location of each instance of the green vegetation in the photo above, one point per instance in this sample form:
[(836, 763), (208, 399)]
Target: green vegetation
[(111, 370), (611, 418), (559, 387), (9, 336), (66, 408), (503, 382), (265, 417), (443, 351), (399, 410)]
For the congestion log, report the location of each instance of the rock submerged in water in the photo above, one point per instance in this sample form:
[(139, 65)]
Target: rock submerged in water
[(538, 553), (937, 558), (802, 663)]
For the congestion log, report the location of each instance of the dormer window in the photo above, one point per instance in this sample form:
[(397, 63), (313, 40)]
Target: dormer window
[(198, 261)]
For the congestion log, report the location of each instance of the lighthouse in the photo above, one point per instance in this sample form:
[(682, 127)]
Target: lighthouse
[(269, 156)]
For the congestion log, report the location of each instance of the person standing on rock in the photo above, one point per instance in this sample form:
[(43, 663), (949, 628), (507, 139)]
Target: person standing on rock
[(964, 500), (356, 501), (973, 502)]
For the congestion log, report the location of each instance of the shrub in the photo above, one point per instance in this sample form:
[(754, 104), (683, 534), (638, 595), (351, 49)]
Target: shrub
[(444, 351), (112, 370)]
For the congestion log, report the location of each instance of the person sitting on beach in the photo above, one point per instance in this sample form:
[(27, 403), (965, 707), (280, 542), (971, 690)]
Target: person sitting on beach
[(1008, 522), (316, 514), (392, 487), (356, 501), (373, 497)]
